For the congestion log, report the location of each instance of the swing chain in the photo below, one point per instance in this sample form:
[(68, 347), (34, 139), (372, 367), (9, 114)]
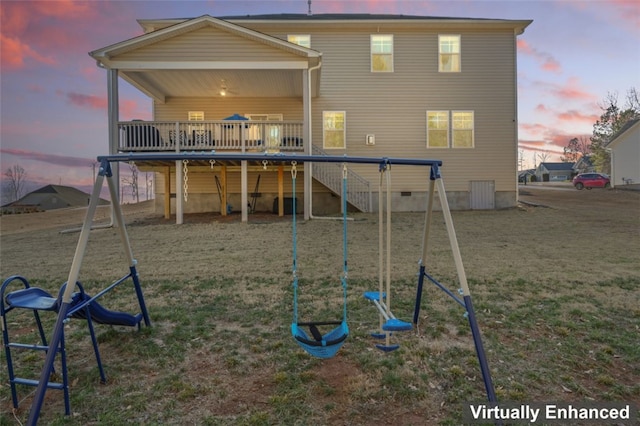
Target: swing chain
[(294, 170), (212, 162), (185, 178), (264, 164)]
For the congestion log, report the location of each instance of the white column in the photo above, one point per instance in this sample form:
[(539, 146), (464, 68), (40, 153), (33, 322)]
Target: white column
[(306, 131), (244, 186), (113, 116), (179, 193)]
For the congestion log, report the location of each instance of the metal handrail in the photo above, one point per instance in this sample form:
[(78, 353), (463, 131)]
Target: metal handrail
[(330, 175)]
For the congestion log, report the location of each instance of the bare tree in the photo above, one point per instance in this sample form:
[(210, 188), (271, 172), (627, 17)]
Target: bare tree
[(613, 118), (542, 156), (16, 181), (132, 182), (576, 149)]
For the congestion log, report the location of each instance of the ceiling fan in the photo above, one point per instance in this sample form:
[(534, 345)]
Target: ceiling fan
[(224, 89)]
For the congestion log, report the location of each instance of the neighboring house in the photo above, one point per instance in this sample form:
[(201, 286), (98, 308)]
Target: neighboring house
[(50, 197), (554, 172), (584, 165), (528, 175), (624, 147), (337, 84)]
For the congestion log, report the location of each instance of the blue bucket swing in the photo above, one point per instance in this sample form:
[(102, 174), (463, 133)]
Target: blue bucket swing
[(381, 298), (316, 343)]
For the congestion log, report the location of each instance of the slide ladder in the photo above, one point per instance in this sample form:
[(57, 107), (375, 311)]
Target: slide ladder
[(38, 300)]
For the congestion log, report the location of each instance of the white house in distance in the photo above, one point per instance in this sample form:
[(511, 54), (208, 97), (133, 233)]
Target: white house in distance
[(328, 84), (624, 147)]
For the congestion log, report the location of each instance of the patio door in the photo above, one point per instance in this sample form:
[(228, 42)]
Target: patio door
[(268, 132)]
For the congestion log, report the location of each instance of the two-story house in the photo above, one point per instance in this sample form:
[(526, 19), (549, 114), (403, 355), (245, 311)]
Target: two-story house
[(336, 84)]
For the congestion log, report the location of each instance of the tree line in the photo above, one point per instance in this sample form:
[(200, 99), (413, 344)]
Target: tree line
[(614, 116)]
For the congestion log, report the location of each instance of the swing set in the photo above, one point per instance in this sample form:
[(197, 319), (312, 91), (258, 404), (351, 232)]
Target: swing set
[(315, 342)]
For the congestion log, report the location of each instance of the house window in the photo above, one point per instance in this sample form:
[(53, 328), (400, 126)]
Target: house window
[(449, 53), (196, 115), (437, 129), (300, 40), (381, 53), (333, 130), (462, 129)]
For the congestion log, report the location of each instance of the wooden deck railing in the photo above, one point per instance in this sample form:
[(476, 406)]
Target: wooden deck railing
[(261, 136)]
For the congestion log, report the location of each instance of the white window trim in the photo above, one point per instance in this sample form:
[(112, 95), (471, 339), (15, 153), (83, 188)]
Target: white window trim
[(448, 129), (459, 53), (371, 53), (344, 130), (473, 129)]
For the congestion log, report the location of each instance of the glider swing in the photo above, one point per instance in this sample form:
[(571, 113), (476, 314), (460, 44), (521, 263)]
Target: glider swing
[(381, 298), (319, 345)]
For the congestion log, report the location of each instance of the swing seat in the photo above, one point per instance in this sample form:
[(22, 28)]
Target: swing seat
[(374, 295), (320, 346), (394, 324)]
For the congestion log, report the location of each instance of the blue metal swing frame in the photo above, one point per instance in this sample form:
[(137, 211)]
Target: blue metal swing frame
[(105, 161)]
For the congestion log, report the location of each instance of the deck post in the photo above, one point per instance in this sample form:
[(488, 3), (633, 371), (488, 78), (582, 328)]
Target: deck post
[(167, 192), (280, 190)]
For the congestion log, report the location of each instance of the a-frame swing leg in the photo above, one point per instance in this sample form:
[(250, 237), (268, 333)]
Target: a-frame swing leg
[(104, 171), (436, 180)]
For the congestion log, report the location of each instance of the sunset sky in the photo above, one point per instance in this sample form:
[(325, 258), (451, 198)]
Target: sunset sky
[(53, 113)]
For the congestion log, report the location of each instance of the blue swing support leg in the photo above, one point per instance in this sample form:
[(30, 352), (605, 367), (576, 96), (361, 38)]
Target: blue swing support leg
[(435, 182), (66, 300)]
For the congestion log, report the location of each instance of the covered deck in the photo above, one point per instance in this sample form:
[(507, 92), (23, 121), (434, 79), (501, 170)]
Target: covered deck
[(220, 135)]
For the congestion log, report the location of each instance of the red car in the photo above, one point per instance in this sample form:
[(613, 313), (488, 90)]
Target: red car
[(591, 180)]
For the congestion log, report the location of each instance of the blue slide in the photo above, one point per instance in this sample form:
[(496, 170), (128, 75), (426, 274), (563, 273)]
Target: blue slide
[(102, 315)]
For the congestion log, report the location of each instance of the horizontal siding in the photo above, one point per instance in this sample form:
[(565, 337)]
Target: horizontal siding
[(393, 105), (203, 181), (177, 109), (208, 44), (390, 105)]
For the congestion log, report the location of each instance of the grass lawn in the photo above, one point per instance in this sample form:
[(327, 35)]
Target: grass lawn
[(556, 291)]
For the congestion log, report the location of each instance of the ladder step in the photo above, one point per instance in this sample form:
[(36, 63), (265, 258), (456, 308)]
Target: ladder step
[(27, 346), (35, 383)]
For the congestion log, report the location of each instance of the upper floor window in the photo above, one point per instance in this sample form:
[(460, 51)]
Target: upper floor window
[(381, 53), (449, 53), (437, 129), (462, 129), (334, 130), (300, 39)]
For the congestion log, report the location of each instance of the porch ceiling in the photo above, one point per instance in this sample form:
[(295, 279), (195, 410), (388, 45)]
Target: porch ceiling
[(162, 84)]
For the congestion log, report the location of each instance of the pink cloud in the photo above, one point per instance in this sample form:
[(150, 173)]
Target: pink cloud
[(31, 28), (52, 159), (91, 101), (533, 129), (541, 108), (548, 62), (36, 88), (129, 110), (576, 116), (618, 13), (15, 54)]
